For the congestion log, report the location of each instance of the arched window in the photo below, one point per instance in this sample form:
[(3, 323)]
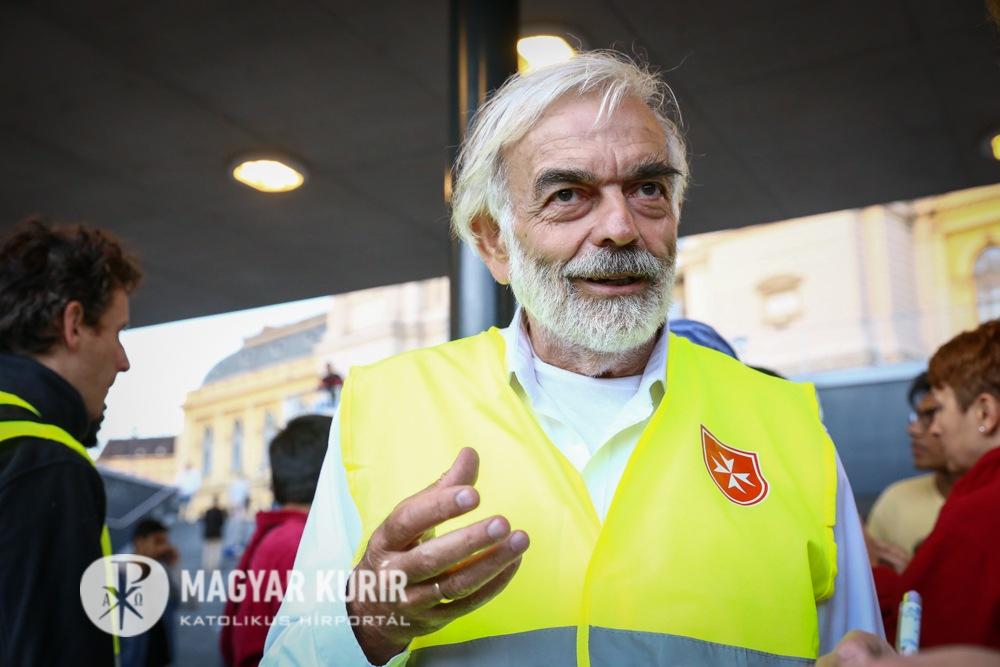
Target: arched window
[(987, 274), (237, 446), (270, 430), (206, 452)]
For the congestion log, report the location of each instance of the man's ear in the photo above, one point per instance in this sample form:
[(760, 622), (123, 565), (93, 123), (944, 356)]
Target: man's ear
[(72, 324), (492, 248)]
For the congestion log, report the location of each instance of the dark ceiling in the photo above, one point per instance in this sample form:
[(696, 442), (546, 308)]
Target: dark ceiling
[(127, 114)]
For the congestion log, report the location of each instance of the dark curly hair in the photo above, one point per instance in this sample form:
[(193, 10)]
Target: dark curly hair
[(44, 267)]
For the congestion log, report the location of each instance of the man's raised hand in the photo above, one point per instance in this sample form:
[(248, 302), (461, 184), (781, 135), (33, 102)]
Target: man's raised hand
[(447, 576)]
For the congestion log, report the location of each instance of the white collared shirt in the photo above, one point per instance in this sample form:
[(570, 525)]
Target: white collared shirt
[(595, 423), (333, 530)]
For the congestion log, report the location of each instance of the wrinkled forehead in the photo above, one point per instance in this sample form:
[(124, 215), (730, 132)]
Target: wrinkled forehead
[(598, 111), (579, 133), (581, 122)]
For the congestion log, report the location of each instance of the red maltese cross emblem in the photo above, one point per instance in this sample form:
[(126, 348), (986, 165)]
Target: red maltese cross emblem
[(736, 472)]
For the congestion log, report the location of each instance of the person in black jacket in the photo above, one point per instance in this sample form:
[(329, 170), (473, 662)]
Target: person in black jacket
[(63, 303), (214, 521)]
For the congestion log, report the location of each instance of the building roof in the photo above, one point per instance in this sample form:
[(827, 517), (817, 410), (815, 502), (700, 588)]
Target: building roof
[(274, 345), (128, 447)]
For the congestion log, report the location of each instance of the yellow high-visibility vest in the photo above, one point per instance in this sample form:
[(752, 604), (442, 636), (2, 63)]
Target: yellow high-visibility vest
[(30, 429), (689, 566)]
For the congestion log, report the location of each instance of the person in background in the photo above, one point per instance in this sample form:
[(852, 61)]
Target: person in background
[(188, 482), (238, 501), (156, 647), (956, 569), (296, 456), (905, 512), (332, 383), (677, 502), (64, 301), (214, 522), (702, 334)]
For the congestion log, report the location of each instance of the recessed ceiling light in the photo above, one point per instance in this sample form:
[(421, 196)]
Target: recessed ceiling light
[(540, 50), (270, 174), (989, 145)]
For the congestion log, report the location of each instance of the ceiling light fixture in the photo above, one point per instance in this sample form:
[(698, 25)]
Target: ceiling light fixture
[(544, 44), (269, 173), (540, 50), (989, 146)]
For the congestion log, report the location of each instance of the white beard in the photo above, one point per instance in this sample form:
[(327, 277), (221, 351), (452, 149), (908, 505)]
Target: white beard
[(603, 325)]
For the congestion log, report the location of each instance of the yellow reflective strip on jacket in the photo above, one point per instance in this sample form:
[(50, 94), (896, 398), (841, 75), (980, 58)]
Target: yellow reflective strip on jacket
[(675, 556), (11, 399), (19, 429), (24, 429)]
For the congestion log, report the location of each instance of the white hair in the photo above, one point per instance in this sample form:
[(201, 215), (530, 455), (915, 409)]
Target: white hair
[(481, 183)]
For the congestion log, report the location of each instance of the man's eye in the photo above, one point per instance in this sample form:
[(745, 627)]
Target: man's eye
[(650, 190), (565, 196)]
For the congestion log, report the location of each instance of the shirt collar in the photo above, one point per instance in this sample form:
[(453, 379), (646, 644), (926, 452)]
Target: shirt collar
[(519, 358)]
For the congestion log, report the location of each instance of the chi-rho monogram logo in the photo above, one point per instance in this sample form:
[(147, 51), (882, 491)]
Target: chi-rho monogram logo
[(124, 594)]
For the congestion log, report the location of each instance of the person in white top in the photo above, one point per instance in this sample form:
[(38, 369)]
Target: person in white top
[(188, 481), (573, 199)]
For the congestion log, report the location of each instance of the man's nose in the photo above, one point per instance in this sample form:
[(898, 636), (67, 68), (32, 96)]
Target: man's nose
[(123, 362), (617, 222)]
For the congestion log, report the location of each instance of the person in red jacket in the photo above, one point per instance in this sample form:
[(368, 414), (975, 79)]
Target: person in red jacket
[(296, 455), (956, 570)]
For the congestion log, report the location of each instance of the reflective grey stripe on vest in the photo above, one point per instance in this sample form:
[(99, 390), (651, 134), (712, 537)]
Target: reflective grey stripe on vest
[(538, 648), (627, 647), (608, 648)]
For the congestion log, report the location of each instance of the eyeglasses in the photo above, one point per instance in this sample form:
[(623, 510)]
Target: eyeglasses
[(925, 416)]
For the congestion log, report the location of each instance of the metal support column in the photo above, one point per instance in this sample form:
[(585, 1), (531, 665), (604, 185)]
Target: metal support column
[(483, 43)]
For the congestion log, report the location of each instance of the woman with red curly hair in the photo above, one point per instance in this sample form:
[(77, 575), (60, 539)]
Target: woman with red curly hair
[(957, 568)]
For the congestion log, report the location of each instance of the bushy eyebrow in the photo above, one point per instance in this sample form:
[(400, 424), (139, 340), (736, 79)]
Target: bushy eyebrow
[(652, 170), (551, 177), (648, 170)]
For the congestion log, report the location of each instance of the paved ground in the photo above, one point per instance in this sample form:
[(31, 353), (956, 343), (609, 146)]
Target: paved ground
[(198, 645)]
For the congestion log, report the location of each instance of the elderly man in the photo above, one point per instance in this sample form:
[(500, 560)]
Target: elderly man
[(63, 303), (685, 512)]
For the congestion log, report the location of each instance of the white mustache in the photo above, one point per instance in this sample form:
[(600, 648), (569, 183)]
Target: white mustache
[(608, 263)]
